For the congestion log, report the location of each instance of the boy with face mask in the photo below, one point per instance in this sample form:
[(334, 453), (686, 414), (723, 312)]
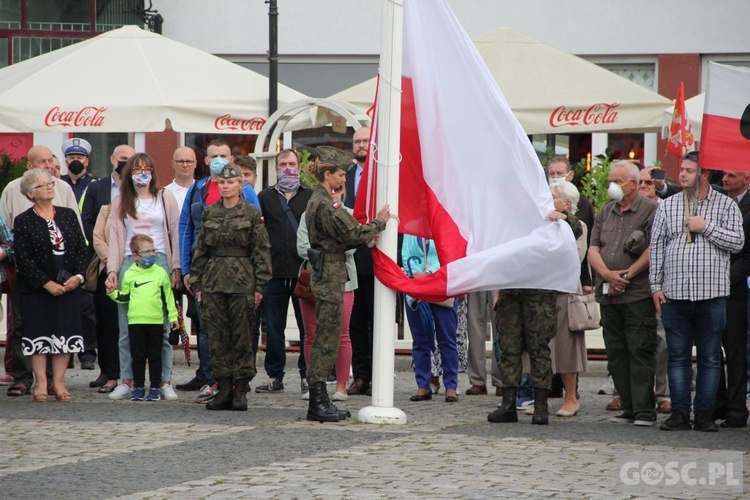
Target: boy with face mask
[(146, 287)]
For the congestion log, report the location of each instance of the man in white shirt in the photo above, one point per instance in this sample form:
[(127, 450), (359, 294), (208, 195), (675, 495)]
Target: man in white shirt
[(183, 163)]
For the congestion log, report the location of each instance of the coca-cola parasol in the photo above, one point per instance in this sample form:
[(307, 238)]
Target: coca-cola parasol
[(551, 91), (134, 81)]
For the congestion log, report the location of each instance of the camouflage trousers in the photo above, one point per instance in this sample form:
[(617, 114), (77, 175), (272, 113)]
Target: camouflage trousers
[(526, 321), (325, 348), (229, 319)]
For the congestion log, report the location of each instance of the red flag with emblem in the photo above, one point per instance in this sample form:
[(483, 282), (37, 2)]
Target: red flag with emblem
[(681, 139)]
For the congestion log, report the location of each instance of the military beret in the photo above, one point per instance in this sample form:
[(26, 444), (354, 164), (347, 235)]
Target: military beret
[(230, 171), (334, 156), (76, 146)]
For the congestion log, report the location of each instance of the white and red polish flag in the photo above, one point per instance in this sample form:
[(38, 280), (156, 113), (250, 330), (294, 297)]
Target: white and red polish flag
[(469, 177), (681, 138), (725, 135)]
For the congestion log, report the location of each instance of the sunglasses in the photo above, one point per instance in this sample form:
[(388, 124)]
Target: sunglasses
[(646, 182), (692, 156)]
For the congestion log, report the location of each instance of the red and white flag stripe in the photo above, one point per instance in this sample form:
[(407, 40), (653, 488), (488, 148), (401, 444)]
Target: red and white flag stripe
[(469, 177)]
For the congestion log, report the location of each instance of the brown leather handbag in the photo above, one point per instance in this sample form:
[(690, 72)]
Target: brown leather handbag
[(303, 289)]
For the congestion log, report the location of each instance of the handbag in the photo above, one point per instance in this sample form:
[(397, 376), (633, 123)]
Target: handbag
[(303, 290), (583, 313), (91, 276)]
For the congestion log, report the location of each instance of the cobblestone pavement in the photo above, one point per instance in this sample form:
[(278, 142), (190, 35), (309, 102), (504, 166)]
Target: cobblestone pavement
[(97, 448)]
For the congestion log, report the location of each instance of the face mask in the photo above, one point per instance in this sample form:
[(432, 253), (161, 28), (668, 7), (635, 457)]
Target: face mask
[(288, 180), (556, 181), (217, 164), (120, 165), (75, 167), (141, 180), (148, 261), (615, 192)]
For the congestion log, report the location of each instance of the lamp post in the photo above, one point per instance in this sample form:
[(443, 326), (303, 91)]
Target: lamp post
[(273, 56)]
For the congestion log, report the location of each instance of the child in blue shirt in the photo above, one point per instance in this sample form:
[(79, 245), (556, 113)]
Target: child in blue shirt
[(147, 288)]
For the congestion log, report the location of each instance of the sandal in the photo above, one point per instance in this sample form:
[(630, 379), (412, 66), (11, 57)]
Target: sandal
[(63, 396), (19, 389), (105, 389), (40, 397)]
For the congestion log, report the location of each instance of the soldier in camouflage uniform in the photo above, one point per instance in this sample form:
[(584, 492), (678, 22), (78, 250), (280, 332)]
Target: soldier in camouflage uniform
[(231, 266), (526, 320), (332, 230)]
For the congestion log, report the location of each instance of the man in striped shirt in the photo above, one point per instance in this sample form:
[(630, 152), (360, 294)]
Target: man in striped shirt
[(691, 242)]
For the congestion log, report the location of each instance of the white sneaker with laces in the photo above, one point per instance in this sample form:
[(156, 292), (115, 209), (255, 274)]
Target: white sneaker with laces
[(168, 392), (122, 391), (339, 396)]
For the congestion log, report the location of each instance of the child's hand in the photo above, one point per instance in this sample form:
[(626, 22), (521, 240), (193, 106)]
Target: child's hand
[(174, 325), (110, 287)]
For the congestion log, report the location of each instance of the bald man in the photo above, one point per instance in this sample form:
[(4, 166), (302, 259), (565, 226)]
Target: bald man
[(183, 163), (13, 203)]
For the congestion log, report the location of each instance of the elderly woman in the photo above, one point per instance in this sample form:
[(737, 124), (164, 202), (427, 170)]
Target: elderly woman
[(332, 231), (430, 322), (51, 256), (569, 348), (231, 266), (142, 208)]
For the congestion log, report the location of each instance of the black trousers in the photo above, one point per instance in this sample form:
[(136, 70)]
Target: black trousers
[(107, 332), (145, 344), (88, 327), (730, 398), (360, 327)]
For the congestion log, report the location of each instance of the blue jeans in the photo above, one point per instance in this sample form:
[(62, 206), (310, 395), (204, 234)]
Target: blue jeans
[(276, 297), (167, 352), (203, 373), (443, 326), (702, 322)]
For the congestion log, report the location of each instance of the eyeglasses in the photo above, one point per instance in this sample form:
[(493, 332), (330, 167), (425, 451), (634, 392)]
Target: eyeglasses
[(360, 141), (646, 182), (142, 170), (692, 156), (183, 162), (146, 253), (45, 185)]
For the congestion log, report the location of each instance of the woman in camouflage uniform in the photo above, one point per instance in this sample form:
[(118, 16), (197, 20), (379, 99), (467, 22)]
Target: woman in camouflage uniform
[(231, 265), (333, 231)]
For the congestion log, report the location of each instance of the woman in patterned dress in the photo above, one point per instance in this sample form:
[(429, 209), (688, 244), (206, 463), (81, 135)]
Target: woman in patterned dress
[(51, 256)]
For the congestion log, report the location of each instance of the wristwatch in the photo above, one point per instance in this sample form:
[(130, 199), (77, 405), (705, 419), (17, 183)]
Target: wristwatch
[(80, 277)]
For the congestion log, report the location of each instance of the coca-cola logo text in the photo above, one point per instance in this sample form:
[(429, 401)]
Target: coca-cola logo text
[(226, 122), (600, 113), (89, 116)]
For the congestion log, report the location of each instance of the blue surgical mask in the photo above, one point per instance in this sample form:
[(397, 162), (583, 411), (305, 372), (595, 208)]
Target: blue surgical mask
[(148, 261), (217, 164), (141, 180)]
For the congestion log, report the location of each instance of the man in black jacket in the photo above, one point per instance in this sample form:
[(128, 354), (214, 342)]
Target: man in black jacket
[(360, 325), (282, 205)]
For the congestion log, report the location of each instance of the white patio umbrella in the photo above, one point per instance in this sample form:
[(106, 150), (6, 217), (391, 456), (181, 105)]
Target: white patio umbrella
[(551, 91), (131, 80)]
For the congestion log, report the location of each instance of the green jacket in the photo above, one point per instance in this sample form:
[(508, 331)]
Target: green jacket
[(331, 228), (233, 230), (146, 291)]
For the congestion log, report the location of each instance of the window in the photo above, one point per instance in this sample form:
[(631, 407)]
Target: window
[(26, 48), (58, 15), (10, 14), (4, 52)]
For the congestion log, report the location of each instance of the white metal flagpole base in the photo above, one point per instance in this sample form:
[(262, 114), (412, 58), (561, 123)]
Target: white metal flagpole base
[(381, 415)]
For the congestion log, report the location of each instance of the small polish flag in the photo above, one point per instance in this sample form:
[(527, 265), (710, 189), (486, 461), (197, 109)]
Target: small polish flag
[(725, 139)]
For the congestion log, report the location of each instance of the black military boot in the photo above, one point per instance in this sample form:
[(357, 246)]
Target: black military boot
[(239, 403), (507, 410), (541, 410), (320, 408), (223, 400)]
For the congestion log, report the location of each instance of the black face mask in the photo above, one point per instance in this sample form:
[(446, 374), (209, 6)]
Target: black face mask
[(75, 167), (120, 165)]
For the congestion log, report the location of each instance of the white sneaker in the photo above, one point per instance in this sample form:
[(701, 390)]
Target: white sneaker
[(168, 392), (306, 396), (339, 396), (122, 391)]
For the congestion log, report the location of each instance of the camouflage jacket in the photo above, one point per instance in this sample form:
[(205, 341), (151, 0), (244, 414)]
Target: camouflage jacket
[(231, 230), (333, 230)]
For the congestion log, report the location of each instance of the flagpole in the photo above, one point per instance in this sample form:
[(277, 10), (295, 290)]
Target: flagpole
[(382, 411)]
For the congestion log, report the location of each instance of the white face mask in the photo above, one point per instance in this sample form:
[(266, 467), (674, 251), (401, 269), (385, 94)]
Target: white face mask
[(555, 182), (615, 192)]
